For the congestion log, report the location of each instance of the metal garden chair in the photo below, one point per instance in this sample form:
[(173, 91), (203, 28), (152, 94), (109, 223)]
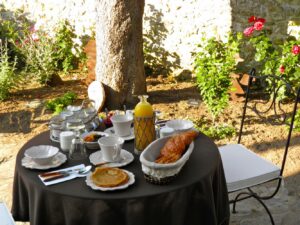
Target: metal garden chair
[(243, 168)]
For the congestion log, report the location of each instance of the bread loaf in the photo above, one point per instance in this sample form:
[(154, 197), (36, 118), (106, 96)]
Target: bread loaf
[(175, 147)]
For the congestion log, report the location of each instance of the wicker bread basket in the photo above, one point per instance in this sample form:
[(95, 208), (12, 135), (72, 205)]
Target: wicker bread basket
[(161, 173)]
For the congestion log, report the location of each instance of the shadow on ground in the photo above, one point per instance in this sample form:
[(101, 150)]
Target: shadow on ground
[(173, 95)]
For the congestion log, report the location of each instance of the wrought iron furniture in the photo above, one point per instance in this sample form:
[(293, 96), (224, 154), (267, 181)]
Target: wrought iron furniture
[(243, 168)]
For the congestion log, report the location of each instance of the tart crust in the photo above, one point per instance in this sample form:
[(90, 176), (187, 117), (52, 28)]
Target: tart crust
[(109, 177)]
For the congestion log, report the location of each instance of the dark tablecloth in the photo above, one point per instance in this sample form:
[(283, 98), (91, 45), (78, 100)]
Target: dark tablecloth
[(197, 196)]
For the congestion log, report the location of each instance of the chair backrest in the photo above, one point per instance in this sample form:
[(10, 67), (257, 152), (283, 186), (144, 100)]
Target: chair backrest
[(272, 86)]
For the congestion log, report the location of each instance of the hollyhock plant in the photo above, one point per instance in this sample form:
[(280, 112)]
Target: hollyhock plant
[(277, 57)]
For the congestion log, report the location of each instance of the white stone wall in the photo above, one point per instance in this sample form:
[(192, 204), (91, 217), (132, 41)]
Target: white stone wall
[(185, 22), (179, 23), (81, 13)]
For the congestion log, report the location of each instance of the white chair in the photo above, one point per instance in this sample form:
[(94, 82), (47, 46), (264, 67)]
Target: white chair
[(243, 168), (5, 216)]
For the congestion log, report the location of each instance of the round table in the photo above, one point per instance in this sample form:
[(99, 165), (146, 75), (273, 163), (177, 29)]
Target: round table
[(198, 195)]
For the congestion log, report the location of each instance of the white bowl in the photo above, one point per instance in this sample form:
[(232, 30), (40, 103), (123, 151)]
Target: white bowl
[(180, 125), (157, 171), (93, 144), (41, 154)]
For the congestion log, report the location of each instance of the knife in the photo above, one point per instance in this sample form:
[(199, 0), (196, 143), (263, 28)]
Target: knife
[(48, 174), (57, 177)]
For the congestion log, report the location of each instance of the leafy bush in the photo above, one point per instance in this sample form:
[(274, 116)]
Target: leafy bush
[(213, 64), (213, 131), (7, 72), (58, 104), (12, 26), (47, 55), (69, 50), (277, 57), (40, 55)]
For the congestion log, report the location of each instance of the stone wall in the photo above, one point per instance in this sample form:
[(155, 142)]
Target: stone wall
[(175, 26), (81, 13), (279, 14)]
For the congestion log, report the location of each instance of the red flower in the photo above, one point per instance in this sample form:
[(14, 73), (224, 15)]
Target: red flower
[(248, 31), (281, 68), (252, 19), (258, 25), (260, 20), (296, 49)]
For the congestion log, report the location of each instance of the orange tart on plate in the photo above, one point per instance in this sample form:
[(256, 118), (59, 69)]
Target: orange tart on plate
[(109, 177)]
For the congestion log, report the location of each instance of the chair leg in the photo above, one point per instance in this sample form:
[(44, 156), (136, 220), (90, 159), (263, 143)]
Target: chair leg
[(236, 199), (252, 194), (266, 208)]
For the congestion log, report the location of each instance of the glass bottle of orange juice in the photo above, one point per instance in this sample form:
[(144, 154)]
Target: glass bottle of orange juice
[(144, 128)]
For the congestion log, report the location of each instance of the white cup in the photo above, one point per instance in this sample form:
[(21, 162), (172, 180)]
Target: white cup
[(122, 124), (166, 131), (111, 148), (66, 138)]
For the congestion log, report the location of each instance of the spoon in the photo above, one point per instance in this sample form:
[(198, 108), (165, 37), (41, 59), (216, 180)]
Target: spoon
[(79, 173)]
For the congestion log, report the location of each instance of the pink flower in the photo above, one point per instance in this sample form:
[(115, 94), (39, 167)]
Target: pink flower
[(258, 25), (35, 36), (281, 68), (252, 19), (296, 49), (248, 31)]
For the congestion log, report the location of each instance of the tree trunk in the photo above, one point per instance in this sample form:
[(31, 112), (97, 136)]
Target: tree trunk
[(120, 63)]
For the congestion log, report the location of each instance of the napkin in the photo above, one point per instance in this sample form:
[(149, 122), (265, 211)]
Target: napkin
[(63, 179)]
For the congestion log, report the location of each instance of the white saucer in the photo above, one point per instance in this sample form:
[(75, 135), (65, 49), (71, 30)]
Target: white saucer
[(127, 157), (90, 183), (59, 159), (111, 131)]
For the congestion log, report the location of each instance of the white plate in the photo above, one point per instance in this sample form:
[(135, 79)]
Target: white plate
[(90, 183), (58, 160), (127, 157), (111, 131)]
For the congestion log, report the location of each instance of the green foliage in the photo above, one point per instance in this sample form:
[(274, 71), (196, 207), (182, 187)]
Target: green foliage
[(213, 65), (68, 52), (7, 72), (58, 104), (12, 26), (297, 122), (45, 56), (40, 55), (276, 56), (213, 131)]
